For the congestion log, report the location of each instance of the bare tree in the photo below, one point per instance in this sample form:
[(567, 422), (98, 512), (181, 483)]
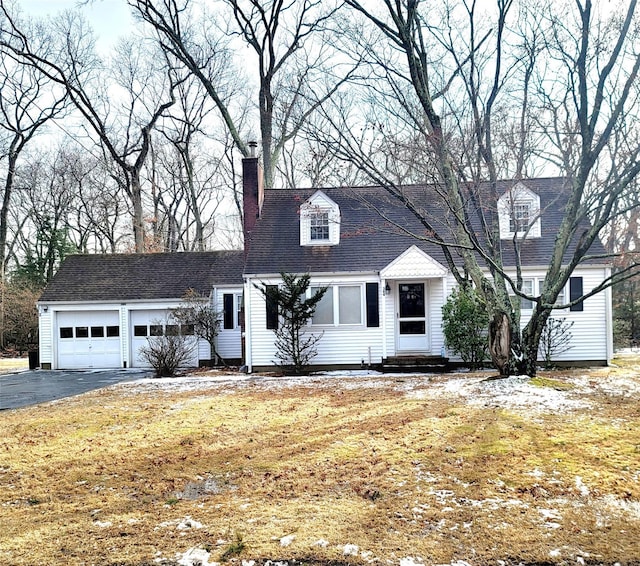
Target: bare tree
[(145, 92), (27, 103), (445, 86), (189, 179), (289, 42)]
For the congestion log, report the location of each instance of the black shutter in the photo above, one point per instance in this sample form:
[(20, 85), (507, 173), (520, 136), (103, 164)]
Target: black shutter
[(227, 300), (575, 292), (272, 306), (373, 309)]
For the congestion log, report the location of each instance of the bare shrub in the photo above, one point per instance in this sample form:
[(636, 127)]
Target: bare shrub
[(168, 352)]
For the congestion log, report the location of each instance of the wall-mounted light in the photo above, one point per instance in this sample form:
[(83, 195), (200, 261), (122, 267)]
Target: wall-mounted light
[(45, 308), (387, 289)]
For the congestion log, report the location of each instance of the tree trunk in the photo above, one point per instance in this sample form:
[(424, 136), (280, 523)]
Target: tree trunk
[(500, 342), (138, 219), (531, 340)]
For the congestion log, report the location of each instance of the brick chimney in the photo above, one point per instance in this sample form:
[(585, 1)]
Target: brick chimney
[(252, 193)]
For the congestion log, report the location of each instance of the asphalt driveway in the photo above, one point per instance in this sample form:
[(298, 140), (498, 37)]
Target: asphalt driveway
[(32, 387)]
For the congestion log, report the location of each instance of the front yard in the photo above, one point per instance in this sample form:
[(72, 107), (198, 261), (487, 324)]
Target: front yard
[(364, 469)]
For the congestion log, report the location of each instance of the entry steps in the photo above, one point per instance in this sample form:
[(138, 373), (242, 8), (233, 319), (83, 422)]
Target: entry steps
[(427, 364)]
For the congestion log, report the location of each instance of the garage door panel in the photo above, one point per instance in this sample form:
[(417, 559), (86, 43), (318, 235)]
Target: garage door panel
[(88, 339), (144, 324)]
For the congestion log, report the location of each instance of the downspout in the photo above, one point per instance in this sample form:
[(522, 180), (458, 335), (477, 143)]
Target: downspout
[(383, 314), (608, 317), (248, 361)]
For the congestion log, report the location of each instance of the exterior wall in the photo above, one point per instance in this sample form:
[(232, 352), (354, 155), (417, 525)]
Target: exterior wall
[(437, 288), (229, 344), (45, 337), (48, 325), (591, 331), (228, 341), (344, 345), (125, 336), (356, 346)]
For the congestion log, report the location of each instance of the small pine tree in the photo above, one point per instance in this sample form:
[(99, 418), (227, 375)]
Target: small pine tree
[(465, 322), (294, 348)]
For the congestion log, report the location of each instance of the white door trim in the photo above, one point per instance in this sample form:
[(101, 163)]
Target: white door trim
[(412, 325)]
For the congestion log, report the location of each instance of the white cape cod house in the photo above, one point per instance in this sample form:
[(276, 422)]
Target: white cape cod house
[(386, 288)]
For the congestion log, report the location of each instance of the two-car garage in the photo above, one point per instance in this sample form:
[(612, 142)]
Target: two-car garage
[(100, 310), (95, 339)]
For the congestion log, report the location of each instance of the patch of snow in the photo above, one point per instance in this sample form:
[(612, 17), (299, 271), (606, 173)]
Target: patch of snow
[(350, 550), (195, 557), (181, 524), (286, 541), (411, 561), (556, 553), (103, 524), (321, 543), (615, 504), (188, 523), (514, 393), (583, 489)]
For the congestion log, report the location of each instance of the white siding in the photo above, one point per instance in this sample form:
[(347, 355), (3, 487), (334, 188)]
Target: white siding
[(228, 341), (352, 345), (590, 329), (125, 336), (436, 300), (46, 337), (390, 323)]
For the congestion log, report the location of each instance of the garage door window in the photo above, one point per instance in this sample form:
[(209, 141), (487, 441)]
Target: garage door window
[(140, 330), (97, 332), (82, 332), (155, 330), (172, 330), (187, 329), (113, 331), (66, 332)]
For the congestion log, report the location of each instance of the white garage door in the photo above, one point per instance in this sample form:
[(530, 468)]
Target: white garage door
[(88, 339), (147, 323)]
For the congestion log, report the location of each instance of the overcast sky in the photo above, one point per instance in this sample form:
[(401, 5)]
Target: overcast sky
[(110, 19)]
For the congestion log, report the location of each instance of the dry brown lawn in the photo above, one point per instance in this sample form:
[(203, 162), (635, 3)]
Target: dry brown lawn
[(370, 469)]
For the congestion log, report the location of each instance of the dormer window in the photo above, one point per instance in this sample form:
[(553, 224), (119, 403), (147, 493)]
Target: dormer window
[(519, 213), (520, 217), (319, 221), (319, 226)]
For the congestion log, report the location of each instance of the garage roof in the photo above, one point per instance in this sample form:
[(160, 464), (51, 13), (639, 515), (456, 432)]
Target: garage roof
[(126, 277)]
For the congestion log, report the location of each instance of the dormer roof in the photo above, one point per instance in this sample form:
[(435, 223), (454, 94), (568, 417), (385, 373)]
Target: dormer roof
[(519, 213), (319, 221)]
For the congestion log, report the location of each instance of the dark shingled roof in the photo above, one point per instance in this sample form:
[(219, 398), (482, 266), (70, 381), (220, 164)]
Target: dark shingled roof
[(369, 242), (127, 277)]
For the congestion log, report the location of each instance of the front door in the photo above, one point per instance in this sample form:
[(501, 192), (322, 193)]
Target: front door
[(412, 318)]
